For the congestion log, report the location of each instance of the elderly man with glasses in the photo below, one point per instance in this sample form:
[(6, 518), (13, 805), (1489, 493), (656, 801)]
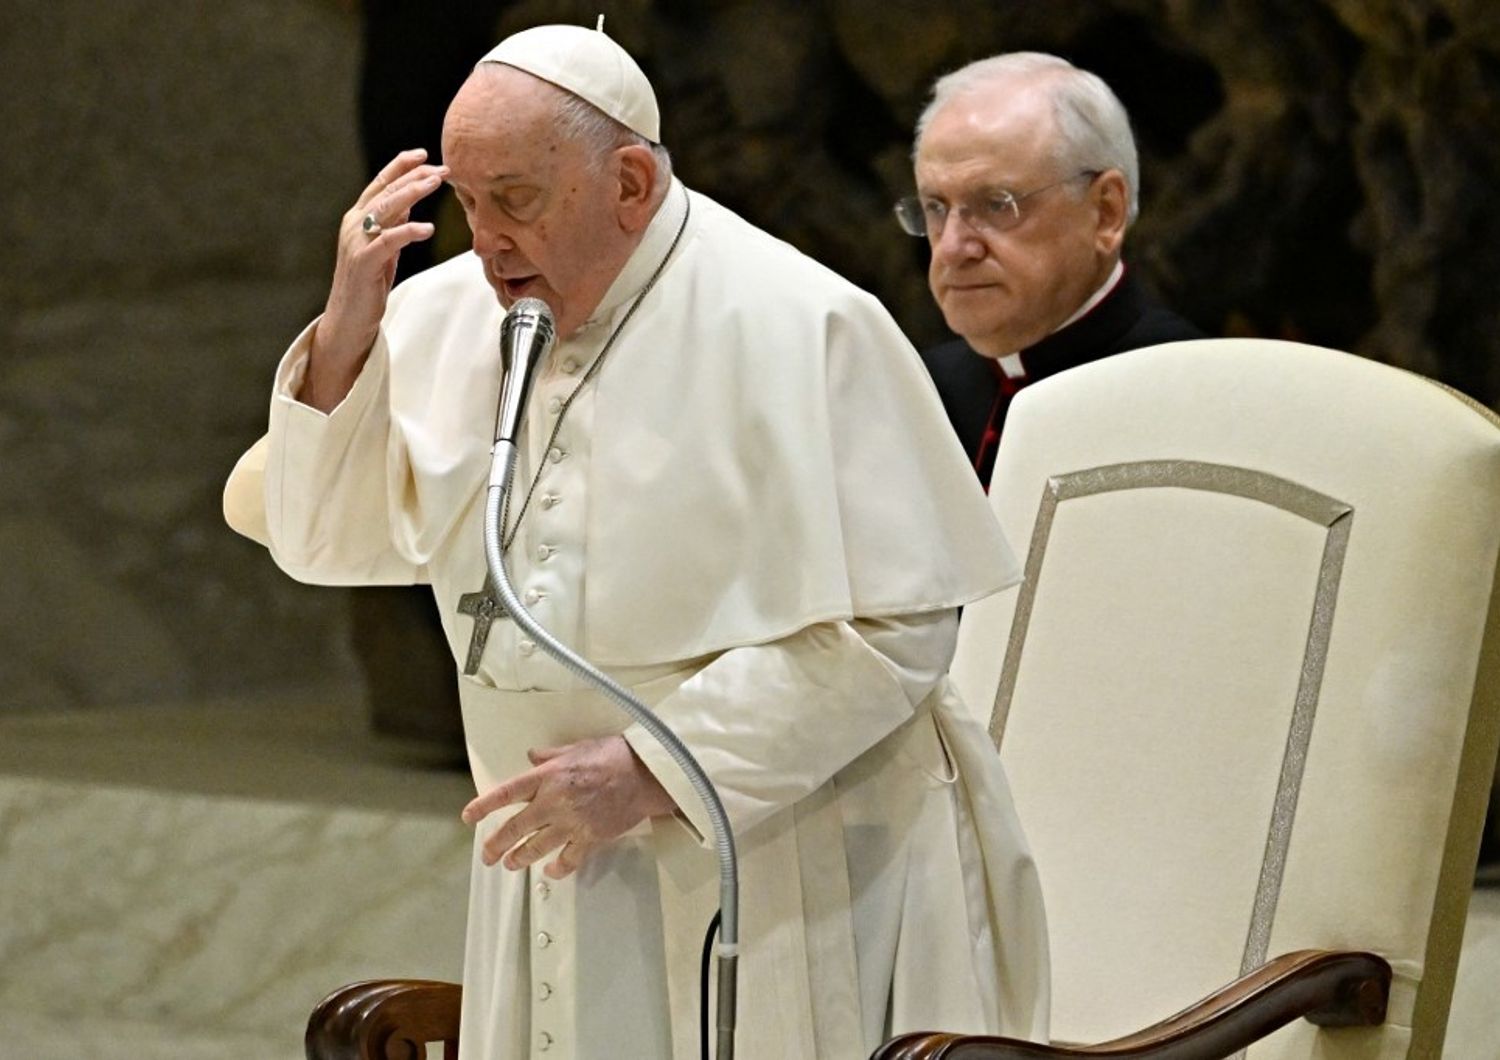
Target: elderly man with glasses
[(1026, 183)]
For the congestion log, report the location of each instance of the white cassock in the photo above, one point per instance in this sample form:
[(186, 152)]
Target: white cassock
[(756, 516)]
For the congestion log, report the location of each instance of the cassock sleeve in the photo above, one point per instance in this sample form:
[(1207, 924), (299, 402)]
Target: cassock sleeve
[(322, 482), (771, 723)]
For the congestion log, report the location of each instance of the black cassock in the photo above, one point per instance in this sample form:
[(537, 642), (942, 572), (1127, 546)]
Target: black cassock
[(976, 392)]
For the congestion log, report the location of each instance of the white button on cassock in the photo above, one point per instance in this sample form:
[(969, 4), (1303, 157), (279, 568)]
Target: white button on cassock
[(544, 552), (543, 991), (543, 940), (555, 454), (569, 366), (550, 500), (554, 406), (526, 647), (532, 596), (543, 1042)]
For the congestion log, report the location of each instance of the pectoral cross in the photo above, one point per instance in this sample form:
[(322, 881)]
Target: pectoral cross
[(485, 608)]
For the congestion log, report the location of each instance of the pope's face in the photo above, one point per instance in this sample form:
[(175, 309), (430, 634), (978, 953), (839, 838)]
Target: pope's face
[(1002, 290), (541, 211)]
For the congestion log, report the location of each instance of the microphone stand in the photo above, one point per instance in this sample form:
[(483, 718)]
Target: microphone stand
[(502, 469)]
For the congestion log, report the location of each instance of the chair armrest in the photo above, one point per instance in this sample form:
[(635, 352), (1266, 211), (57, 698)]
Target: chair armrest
[(377, 1018), (1332, 988)]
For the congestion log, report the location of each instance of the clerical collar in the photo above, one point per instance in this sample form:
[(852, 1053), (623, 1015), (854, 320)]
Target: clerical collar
[(648, 254), (1011, 364), (1097, 297)]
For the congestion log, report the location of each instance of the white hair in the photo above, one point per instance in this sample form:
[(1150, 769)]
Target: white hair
[(1093, 130), (578, 119)]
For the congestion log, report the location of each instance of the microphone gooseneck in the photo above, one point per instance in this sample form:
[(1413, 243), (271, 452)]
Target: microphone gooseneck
[(525, 337)]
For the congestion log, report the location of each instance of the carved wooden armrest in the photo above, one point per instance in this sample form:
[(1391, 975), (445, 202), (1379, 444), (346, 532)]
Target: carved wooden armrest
[(1332, 988), (385, 1019)]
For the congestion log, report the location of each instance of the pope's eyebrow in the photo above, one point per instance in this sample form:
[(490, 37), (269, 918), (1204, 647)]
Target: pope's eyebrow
[(498, 178)]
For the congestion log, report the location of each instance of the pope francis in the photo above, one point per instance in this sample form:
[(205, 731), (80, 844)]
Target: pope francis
[(736, 491)]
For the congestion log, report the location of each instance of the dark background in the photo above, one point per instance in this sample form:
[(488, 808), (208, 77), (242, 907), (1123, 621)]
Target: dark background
[(1323, 170)]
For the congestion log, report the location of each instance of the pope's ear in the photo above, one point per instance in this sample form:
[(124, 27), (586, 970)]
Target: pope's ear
[(635, 166)]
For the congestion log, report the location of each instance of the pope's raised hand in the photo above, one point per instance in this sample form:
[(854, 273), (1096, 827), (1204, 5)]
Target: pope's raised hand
[(576, 798), (371, 236)]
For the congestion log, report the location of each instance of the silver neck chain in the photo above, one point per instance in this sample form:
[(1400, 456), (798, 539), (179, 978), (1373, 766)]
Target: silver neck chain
[(593, 370)]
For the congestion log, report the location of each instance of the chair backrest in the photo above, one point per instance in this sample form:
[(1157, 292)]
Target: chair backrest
[(1247, 693)]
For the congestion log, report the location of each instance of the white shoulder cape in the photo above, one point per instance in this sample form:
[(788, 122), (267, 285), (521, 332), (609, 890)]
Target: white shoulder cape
[(769, 451)]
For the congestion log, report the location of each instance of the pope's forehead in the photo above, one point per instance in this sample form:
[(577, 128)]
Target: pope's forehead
[(502, 118), (497, 97)]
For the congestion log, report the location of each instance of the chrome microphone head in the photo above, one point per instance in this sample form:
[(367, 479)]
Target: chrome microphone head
[(526, 335)]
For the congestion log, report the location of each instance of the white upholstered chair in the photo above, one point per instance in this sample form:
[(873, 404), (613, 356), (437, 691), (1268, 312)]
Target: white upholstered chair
[(1247, 699), (1248, 696)]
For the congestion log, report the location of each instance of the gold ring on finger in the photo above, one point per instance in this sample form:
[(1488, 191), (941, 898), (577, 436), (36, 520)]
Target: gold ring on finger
[(371, 225)]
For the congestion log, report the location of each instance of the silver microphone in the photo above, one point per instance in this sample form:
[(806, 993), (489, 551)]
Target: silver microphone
[(526, 335)]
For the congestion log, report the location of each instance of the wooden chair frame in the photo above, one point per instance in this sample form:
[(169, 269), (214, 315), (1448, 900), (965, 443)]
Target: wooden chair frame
[(393, 1019)]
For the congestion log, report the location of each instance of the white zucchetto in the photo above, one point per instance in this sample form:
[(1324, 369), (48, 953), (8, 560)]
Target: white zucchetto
[(588, 64)]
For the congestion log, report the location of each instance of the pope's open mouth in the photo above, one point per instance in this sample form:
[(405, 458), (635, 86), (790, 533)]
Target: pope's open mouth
[(516, 287)]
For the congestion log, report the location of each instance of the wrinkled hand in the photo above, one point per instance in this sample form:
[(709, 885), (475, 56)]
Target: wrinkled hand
[(577, 798), (364, 272)]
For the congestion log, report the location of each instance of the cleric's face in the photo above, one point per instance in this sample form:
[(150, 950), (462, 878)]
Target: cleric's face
[(1006, 278), (540, 206)]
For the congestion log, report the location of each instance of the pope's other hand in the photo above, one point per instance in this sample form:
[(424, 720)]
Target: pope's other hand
[(573, 800)]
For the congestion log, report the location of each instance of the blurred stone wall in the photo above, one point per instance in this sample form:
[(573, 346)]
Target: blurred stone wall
[(1312, 169), (169, 175)]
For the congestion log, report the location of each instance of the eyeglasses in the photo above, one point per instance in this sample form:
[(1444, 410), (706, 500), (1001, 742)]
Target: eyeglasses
[(985, 212)]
